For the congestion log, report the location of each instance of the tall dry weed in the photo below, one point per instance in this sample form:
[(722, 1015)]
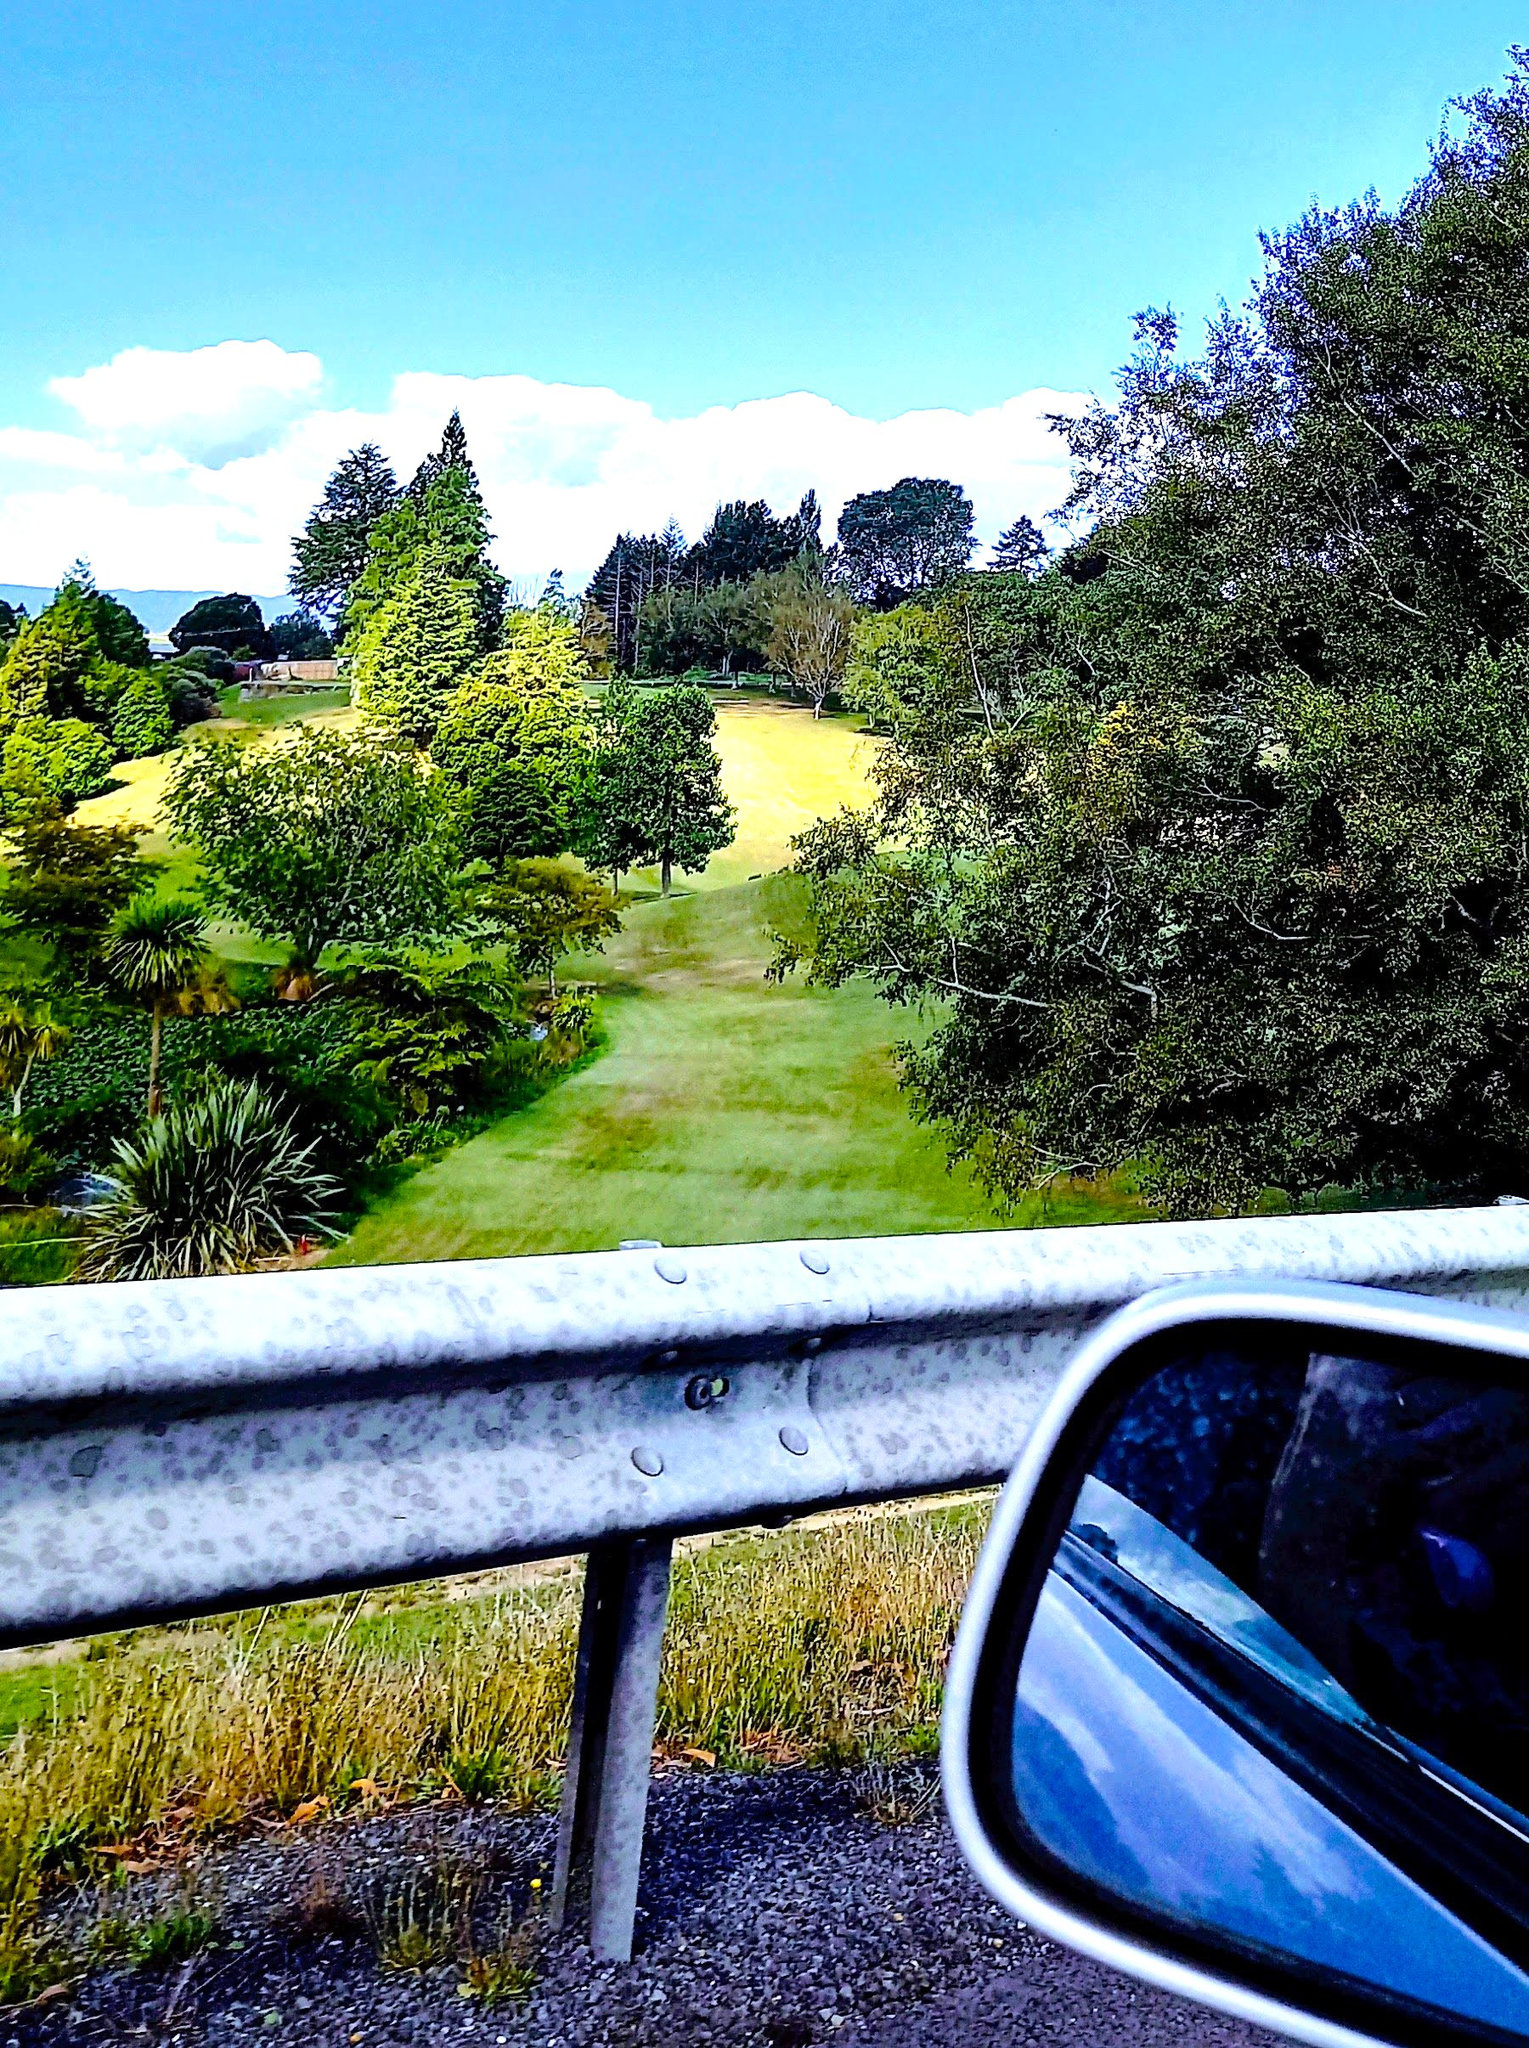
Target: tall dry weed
[(827, 1639)]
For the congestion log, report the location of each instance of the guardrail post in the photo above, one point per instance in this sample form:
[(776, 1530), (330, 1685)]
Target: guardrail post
[(610, 1742)]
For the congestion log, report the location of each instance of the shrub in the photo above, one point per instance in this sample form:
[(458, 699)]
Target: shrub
[(62, 758), (212, 1186), (142, 723), (208, 661), (93, 1094), (190, 692), (24, 1166), (512, 814)]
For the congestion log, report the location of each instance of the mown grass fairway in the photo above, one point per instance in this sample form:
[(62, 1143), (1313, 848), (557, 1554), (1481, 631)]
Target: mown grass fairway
[(725, 1110), (782, 770)]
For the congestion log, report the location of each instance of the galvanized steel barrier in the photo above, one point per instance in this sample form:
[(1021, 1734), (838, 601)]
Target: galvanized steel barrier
[(179, 1447)]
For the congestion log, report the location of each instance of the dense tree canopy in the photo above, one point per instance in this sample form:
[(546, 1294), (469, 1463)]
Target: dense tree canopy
[(637, 566), (442, 510), (331, 551), (417, 648), (299, 636), (1212, 841), (912, 537), (744, 539), (327, 838), (233, 622), (514, 737)]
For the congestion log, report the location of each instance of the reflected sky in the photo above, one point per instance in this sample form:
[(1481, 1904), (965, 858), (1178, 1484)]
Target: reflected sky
[(1132, 1781)]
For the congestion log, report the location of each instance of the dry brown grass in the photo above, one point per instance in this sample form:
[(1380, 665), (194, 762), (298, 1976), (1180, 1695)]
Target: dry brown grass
[(825, 1642)]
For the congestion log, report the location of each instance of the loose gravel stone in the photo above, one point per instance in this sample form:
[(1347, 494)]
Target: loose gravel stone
[(774, 1913)]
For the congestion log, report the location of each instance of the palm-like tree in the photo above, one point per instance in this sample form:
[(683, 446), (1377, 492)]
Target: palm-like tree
[(29, 1032), (156, 947)]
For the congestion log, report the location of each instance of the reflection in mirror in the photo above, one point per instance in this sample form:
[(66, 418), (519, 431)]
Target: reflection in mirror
[(1276, 1691)]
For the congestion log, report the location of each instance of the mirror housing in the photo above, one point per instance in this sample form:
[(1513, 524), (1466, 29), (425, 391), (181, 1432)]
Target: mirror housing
[(1047, 1563)]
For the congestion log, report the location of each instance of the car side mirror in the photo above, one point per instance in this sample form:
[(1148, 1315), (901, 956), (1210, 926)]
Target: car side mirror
[(1240, 1698)]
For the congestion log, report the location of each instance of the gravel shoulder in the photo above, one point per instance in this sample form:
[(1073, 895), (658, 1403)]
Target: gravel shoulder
[(776, 1912)]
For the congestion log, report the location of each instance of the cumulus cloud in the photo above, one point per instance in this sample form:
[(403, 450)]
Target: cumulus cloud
[(194, 469), (206, 404)]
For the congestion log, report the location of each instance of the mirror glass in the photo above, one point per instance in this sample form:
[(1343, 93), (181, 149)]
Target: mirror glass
[(1276, 1689)]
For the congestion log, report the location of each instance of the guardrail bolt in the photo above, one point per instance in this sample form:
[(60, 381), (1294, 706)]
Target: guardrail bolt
[(815, 1261), (793, 1440), (671, 1270), (706, 1389), (649, 1463)]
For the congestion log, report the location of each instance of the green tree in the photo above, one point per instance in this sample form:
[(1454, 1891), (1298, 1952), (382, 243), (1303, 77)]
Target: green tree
[(609, 806), (332, 838), (47, 663), (512, 812), (142, 723), (66, 882), (233, 622), (119, 634), (1210, 840), (29, 1033), (331, 552), (392, 553), (744, 539), (417, 649), (157, 946), (445, 508), (636, 567), (724, 626), (1022, 547), (541, 910), (674, 779), (912, 537), (523, 711)]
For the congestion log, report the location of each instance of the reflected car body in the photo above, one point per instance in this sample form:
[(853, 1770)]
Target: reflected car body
[(1147, 1786)]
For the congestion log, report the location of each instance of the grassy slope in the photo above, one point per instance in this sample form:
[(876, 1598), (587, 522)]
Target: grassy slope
[(725, 1110)]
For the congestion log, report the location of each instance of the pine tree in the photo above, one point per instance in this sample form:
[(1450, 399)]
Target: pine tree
[(448, 502), (417, 648), (331, 551), (807, 525), (637, 565), (1021, 546)]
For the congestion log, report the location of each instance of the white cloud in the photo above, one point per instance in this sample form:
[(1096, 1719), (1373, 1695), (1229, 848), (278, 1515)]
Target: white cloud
[(208, 404), (192, 470)]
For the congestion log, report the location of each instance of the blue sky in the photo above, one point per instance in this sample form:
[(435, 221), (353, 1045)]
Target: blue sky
[(895, 207)]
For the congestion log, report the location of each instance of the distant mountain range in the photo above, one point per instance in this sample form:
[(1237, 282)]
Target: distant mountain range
[(158, 609)]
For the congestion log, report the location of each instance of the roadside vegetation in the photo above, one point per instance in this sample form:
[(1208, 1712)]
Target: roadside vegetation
[(824, 1644)]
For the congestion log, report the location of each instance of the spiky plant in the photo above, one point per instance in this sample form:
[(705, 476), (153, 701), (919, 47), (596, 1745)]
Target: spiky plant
[(157, 947), (212, 1186), (29, 1032)]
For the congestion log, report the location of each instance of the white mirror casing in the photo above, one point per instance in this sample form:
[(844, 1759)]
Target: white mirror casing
[(1039, 1505)]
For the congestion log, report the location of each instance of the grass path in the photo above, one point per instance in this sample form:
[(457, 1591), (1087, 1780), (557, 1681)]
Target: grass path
[(725, 1110)]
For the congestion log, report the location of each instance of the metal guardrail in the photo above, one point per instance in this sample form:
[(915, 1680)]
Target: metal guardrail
[(179, 1447)]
